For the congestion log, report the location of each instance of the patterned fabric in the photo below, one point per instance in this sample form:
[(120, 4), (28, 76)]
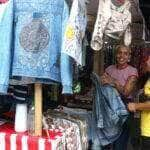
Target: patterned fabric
[(34, 37), (75, 31), (35, 49), (71, 130), (5, 49), (74, 127), (103, 15), (119, 21), (9, 140), (86, 115), (113, 19)]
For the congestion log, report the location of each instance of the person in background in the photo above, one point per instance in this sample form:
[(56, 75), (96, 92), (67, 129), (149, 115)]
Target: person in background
[(144, 106), (123, 77)]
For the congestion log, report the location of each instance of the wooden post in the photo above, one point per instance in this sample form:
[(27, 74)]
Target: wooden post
[(38, 109)]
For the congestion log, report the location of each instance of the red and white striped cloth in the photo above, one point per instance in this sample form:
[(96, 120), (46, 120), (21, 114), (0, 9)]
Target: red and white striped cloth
[(9, 140)]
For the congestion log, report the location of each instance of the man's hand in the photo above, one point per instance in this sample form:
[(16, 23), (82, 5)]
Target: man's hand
[(132, 107)]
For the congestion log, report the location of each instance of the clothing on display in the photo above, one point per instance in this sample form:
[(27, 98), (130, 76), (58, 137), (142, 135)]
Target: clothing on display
[(74, 127), (50, 43), (84, 114), (75, 30), (34, 42), (109, 113), (112, 20)]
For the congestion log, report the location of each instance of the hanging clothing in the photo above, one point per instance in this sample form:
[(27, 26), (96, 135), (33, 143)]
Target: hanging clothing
[(109, 113), (34, 32), (75, 31), (5, 49), (113, 19)]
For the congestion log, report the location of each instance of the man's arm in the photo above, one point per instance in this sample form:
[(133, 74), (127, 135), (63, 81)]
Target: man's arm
[(133, 107)]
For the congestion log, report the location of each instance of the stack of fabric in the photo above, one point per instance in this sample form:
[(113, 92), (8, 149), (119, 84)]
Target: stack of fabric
[(73, 126)]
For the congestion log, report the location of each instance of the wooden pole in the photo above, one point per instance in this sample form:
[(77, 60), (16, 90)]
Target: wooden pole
[(38, 109)]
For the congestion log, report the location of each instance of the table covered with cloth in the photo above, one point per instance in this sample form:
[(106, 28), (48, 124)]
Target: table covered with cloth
[(10, 140)]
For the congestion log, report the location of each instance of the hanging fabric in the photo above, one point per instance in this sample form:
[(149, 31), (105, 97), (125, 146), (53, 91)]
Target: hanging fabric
[(113, 18), (74, 126), (75, 31), (34, 35), (109, 113)]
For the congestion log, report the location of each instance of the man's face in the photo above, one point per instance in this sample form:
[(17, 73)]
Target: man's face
[(122, 56)]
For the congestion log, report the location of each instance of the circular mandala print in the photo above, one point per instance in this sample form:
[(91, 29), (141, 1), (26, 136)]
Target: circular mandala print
[(34, 37)]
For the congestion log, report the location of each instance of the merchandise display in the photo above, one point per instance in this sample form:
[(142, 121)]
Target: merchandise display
[(74, 75)]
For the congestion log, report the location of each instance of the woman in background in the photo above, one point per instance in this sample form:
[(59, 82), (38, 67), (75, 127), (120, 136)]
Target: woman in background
[(123, 77)]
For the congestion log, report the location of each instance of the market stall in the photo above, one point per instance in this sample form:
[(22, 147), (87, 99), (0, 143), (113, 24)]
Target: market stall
[(53, 57)]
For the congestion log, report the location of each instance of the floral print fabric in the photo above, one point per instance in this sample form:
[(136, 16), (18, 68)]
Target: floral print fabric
[(112, 20), (75, 31)]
